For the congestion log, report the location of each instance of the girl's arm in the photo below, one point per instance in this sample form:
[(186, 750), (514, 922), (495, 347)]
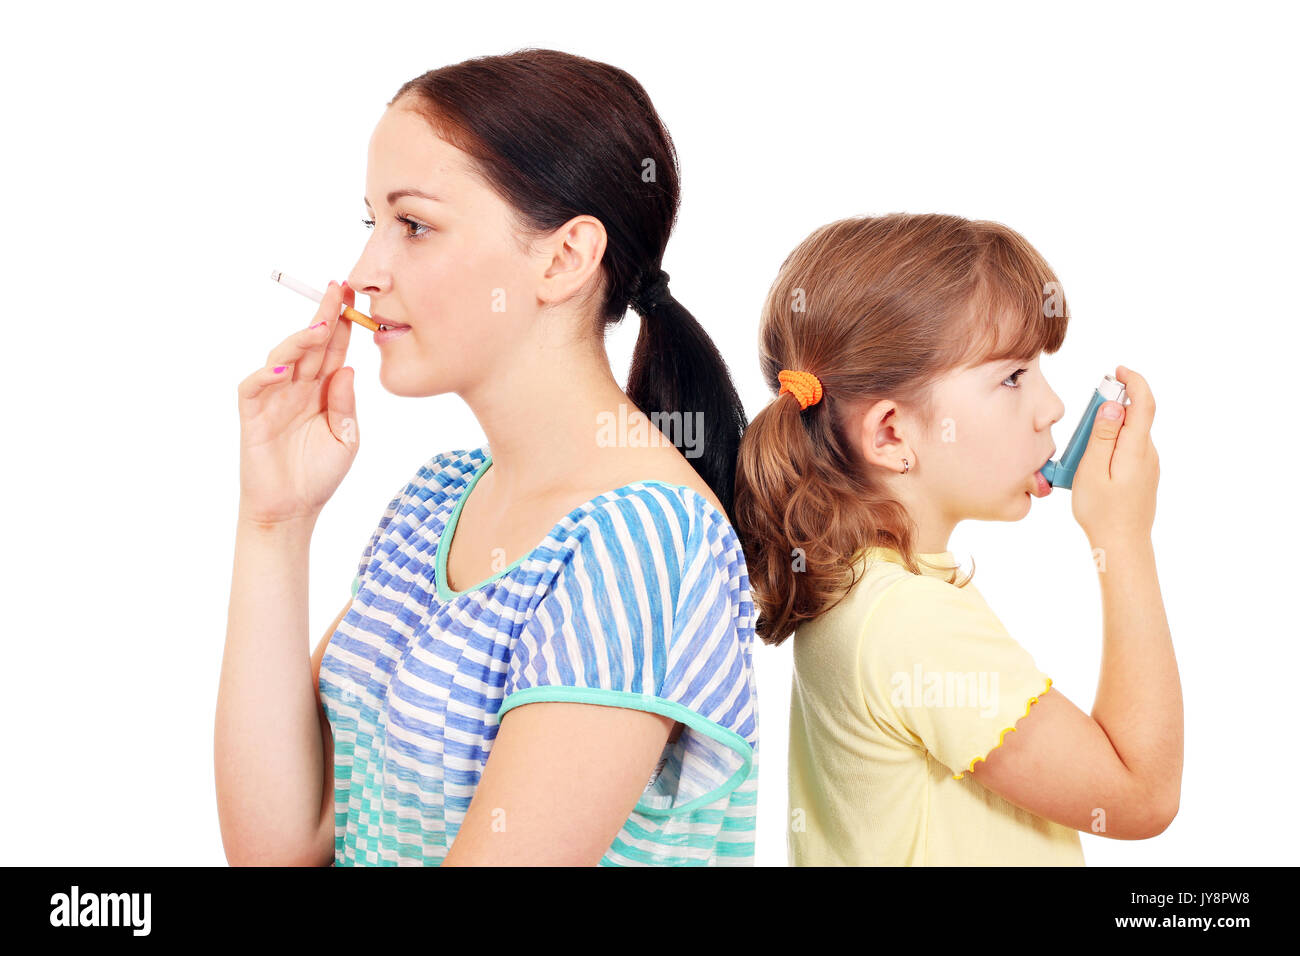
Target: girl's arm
[(1117, 773)]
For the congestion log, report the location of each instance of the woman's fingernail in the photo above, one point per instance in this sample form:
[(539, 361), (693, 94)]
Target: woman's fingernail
[(317, 325), (1111, 410), (279, 368)]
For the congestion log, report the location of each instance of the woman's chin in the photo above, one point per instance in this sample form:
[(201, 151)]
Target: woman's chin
[(396, 383), (398, 380)]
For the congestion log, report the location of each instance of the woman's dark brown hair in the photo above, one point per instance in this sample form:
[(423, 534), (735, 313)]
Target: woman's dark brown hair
[(876, 308), (558, 136)]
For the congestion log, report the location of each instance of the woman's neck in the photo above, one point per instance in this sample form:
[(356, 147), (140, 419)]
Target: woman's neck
[(540, 418)]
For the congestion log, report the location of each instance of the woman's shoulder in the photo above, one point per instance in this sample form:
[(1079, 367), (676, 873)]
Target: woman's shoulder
[(664, 526), (659, 551), (455, 466), (658, 514), (445, 473), (657, 468)]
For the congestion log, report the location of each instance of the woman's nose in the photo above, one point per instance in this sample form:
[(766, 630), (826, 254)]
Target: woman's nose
[(370, 274), (365, 279)]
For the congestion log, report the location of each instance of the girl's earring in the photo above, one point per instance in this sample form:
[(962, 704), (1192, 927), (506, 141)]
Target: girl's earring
[(906, 466)]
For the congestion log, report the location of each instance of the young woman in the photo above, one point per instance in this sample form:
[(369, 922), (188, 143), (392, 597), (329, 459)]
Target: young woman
[(540, 625), (906, 350)]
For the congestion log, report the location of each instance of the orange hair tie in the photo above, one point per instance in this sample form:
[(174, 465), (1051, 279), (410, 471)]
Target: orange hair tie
[(805, 386)]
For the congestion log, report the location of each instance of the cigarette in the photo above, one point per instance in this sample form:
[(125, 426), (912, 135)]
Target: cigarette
[(349, 313)]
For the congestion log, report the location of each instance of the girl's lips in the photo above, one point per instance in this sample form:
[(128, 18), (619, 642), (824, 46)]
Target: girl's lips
[(390, 334), (1044, 489)]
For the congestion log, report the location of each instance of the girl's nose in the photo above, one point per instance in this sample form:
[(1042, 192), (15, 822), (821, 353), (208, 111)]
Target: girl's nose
[(1057, 409)]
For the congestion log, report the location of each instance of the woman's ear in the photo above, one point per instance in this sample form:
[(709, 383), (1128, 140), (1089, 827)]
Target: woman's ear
[(572, 255)]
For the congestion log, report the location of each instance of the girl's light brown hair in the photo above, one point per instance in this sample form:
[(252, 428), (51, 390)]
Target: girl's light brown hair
[(877, 308)]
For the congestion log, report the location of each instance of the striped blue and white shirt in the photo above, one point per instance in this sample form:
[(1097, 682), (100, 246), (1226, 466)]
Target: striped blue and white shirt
[(637, 598)]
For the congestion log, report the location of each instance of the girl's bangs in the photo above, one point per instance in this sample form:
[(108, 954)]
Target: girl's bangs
[(1017, 309)]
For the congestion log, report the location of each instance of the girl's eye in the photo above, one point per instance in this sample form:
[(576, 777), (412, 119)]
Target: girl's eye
[(409, 223), (1014, 377)]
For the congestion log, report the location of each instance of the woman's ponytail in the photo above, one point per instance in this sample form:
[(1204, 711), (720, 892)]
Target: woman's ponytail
[(557, 136), (680, 379)]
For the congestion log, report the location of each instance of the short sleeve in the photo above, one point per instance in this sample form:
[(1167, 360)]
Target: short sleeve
[(650, 609), (940, 671)]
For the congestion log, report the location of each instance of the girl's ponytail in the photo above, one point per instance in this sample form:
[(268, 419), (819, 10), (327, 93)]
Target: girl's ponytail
[(872, 308), (802, 505)]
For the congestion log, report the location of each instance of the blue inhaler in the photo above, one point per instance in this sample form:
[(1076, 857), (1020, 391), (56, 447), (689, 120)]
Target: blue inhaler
[(1060, 474)]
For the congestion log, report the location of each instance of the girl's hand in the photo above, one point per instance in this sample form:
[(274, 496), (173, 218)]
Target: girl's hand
[(298, 429), (1114, 493)]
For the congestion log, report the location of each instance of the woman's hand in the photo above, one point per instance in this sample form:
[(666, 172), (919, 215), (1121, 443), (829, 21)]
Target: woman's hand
[(1114, 493), (298, 429)]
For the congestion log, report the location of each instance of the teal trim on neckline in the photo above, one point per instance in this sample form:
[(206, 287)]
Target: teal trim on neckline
[(445, 592), (656, 705)]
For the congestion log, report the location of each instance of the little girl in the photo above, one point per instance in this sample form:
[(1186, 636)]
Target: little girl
[(906, 350)]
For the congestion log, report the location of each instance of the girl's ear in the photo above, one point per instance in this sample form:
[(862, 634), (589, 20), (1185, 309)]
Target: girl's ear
[(881, 439), (573, 254)]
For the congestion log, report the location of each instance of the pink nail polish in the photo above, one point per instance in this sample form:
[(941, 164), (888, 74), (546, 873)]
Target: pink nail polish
[(279, 368)]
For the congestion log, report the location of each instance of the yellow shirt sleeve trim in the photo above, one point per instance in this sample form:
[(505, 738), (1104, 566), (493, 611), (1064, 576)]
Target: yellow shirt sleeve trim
[(975, 760)]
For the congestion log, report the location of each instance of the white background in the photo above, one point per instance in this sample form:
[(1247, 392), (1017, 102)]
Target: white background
[(160, 160)]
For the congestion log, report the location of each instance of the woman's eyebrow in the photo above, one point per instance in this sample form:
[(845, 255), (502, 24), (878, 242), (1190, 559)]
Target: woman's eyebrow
[(399, 193)]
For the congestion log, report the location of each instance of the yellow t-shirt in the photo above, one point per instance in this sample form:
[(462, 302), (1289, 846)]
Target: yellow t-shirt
[(897, 691)]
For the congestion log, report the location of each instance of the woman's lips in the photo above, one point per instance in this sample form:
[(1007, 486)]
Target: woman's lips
[(391, 331)]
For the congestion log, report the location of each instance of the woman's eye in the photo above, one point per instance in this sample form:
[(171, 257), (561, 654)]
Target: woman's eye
[(1014, 377), (409, 223), (412, 224)]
